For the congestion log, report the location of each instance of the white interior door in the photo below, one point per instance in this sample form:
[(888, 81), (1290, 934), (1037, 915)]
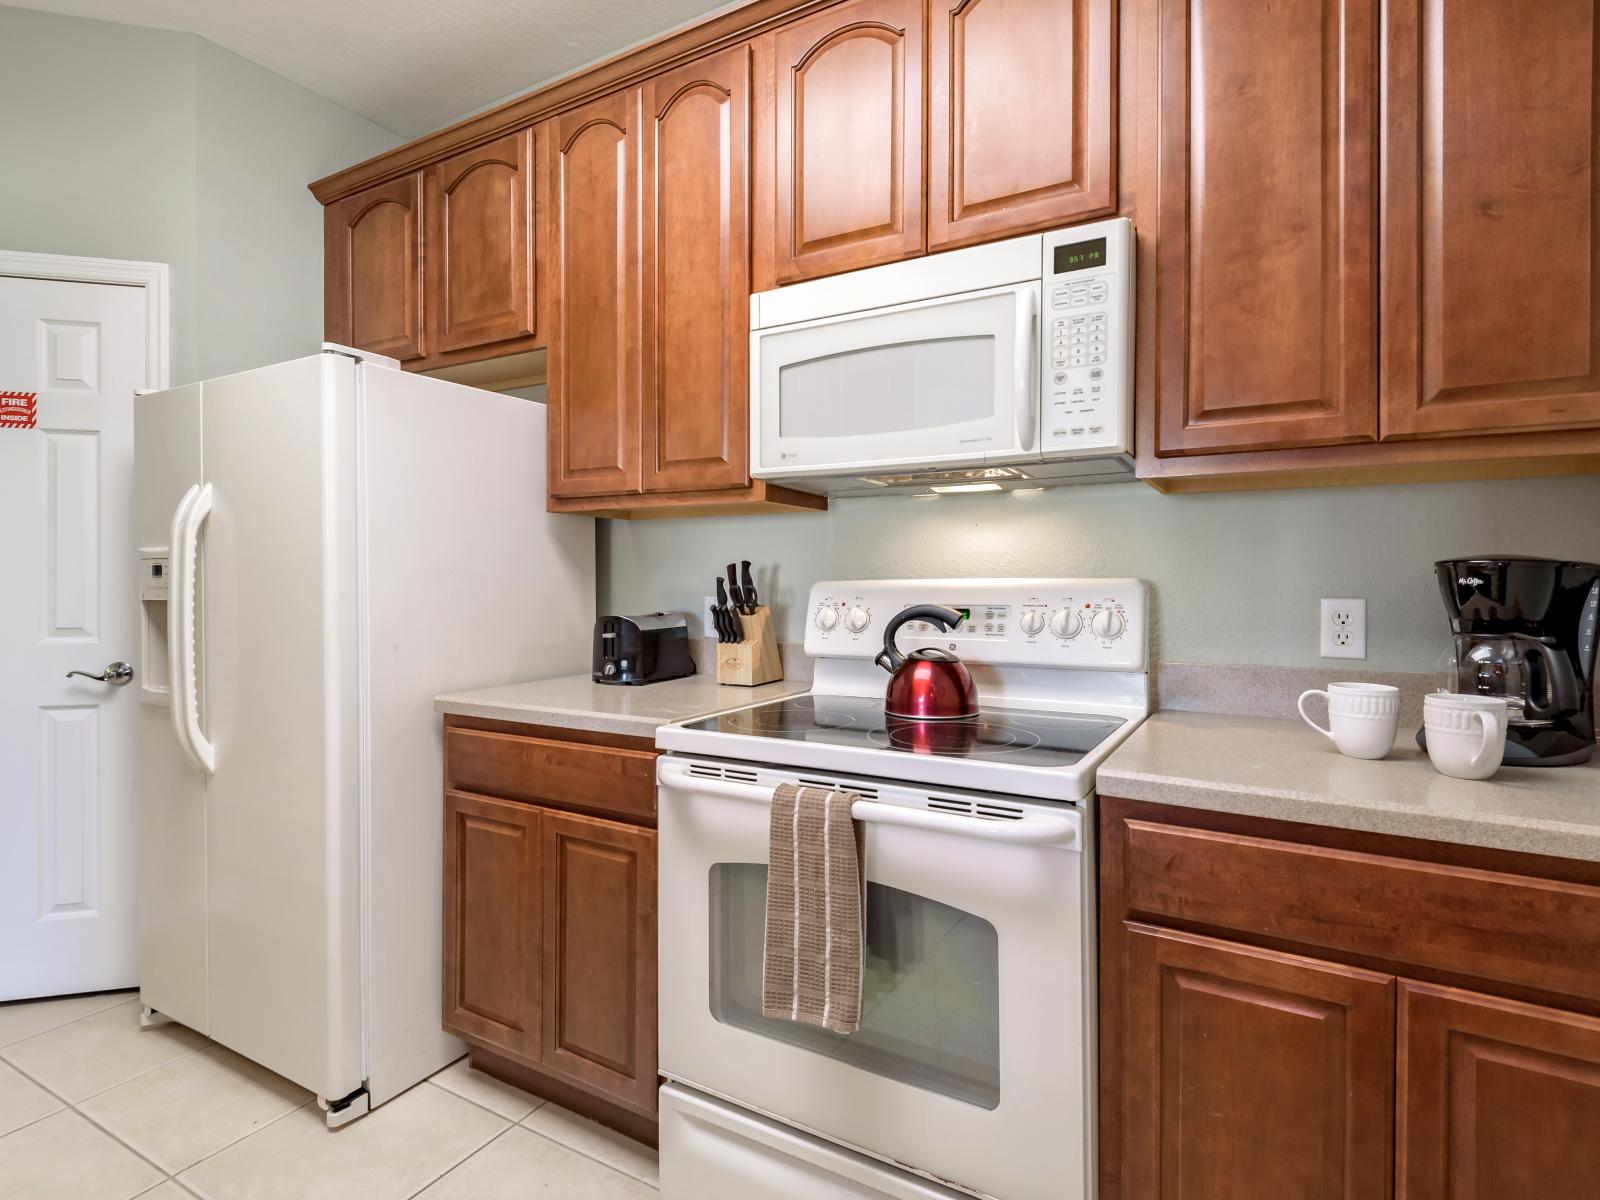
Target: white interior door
[(68, 602)]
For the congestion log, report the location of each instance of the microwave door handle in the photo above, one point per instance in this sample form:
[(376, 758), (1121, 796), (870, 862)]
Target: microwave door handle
[(1028, 831), (1027, 329)]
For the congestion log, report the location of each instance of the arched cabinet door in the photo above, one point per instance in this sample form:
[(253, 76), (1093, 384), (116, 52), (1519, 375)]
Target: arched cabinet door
[(373, 280), (1019, 116), (848, 170), (696, 276), (481, 274), (593, 182)]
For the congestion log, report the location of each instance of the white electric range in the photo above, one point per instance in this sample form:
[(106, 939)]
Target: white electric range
[(973, 1070)]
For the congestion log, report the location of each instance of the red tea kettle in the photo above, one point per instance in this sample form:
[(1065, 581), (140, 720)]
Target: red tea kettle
[(929, 684)]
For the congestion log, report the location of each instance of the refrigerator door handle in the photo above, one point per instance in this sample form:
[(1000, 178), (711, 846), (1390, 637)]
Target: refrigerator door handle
[(192, 511)]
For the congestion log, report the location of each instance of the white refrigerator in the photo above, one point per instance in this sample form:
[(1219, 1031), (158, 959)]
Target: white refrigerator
[(324, 546)]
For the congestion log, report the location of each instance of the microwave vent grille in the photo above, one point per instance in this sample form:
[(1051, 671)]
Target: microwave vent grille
[(972, 475)]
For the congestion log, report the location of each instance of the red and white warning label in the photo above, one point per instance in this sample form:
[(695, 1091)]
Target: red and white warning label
[(19, 410)]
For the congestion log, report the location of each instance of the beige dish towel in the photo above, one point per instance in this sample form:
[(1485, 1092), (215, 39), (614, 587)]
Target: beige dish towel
[(812, 965)]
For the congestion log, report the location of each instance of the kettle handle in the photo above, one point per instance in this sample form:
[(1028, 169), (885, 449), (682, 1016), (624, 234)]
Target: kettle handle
[(890, 658)]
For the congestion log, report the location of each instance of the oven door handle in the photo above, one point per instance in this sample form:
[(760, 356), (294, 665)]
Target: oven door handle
[(1042, 830)]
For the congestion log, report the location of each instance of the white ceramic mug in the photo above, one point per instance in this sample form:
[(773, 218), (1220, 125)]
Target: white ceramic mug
[(1466, 734), (1363, 718)]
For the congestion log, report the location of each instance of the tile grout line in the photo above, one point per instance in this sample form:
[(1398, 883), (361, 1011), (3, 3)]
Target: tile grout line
[(236, 1141), (476, 1150), (540, 1100), (4, 1046), (585, 1154)]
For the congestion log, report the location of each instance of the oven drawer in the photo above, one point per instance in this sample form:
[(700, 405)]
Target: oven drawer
[(1491, 925), (600, 779)]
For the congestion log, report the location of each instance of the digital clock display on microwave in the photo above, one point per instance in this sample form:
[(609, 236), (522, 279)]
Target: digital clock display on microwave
[(1080, 256)]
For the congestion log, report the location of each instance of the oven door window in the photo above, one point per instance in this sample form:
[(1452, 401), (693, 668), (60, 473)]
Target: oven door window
[(931, 995)]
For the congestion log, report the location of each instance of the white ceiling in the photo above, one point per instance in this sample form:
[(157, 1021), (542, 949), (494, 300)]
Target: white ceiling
[(409, 65)]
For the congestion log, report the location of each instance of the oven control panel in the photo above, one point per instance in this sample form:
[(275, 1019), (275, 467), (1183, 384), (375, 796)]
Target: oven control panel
[(1085, 623)]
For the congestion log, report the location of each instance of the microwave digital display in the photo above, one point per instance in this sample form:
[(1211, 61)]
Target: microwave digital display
[(1080, 256)]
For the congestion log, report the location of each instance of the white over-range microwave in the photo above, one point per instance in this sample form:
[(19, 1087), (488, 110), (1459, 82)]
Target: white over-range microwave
[(1003, 365)]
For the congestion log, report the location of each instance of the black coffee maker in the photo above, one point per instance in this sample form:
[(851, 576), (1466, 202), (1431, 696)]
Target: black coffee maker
[(1525, 629)]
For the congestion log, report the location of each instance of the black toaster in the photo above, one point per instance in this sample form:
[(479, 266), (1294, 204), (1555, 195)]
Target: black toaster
[(641, 649)]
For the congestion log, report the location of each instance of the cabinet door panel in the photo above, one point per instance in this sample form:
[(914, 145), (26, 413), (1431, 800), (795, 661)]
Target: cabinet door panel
[(1253, 1075), (1491, 274), (1497, 1100), (1265, 312), (849, 135), (600, 956), (594, 298), (696, 276), (481, 244), (492, 923), (1019, 116), (373, 272)]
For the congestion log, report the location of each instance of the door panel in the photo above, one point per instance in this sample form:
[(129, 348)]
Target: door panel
[(1253, 1075), (481, 274), (373, 244), (696, 278), (600, 955), (594, 345), (67, 746), (1019, 116), (1497, 1100), (849, 138), (493, 898), (1265, 317), (279, 702), (1491, 273)]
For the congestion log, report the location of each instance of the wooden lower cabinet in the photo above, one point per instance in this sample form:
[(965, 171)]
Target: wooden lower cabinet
[(1287, 1012), (1253, 1075), (550, 921), (1497, 1100)]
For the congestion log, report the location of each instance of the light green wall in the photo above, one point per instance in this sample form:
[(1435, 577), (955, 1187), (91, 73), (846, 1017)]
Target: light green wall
[(124, 142), (1236, 577)]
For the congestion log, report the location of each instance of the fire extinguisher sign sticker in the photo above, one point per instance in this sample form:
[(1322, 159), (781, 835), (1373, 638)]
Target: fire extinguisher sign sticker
[(19, 410)]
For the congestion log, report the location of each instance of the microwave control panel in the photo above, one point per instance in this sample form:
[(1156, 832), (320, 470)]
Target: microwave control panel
[(1086, 376)]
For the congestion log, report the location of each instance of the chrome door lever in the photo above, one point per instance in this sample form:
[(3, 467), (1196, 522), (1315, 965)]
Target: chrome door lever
[(118, 674)]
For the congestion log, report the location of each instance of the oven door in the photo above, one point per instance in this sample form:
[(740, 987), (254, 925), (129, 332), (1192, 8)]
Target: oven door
[(947, 382), (972, 1064)]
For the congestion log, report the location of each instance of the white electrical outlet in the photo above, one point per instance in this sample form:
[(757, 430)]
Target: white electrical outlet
[(1344, 628), (705, 616)]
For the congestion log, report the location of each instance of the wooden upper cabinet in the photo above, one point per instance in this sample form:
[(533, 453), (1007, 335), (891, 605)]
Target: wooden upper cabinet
[(1496, 1099), (696, 276), (1491, 273), (848, 126), (1019, 116), (593, 207), (373, 274), (600, 955), (480, 275), (1266, 321), (1253, 1075), (493, 923)]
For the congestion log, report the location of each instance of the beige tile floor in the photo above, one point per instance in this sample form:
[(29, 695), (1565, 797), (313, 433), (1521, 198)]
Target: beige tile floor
[(92, 1107)]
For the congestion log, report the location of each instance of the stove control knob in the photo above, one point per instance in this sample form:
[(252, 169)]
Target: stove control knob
[(1032, 622), (858, 619), (1108, 623), (826, 618), (1066, 623)]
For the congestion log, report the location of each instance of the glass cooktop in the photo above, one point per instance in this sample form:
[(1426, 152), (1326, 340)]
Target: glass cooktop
[(1028, 739)]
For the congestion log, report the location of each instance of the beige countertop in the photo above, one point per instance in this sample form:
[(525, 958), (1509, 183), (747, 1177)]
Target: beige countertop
[(1261, 767), (577, 702)]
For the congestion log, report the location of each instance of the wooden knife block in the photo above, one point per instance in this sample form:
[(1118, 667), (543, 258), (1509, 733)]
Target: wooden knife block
[(755, 660)]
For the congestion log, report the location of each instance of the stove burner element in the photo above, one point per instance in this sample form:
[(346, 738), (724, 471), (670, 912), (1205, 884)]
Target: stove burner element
[(965, 739)]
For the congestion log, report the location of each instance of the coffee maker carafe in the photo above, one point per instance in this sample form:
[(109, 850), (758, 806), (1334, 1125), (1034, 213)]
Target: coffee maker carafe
[(1525, 629)]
